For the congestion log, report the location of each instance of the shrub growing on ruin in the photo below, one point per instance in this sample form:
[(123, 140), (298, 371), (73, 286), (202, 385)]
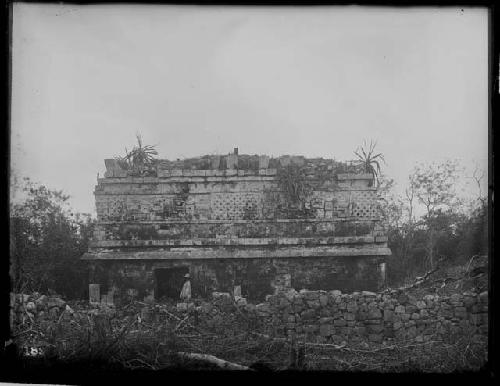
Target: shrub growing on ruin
[(140, 159), (369, 160)]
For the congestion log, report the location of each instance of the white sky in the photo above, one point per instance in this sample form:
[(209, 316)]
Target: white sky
[(198, 80)]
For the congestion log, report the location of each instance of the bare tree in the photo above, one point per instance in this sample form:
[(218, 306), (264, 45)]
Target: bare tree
[(478, 175), (434, 188)]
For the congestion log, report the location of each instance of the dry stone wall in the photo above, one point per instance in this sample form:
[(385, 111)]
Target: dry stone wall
[(333, 317)]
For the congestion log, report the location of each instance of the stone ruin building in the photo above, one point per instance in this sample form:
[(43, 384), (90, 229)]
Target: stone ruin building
[(264, 224)]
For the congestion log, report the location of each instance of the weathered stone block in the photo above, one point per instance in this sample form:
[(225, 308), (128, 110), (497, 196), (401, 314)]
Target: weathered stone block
[(455, 298), (476, 308), (263, 162), (310, 329), (445, 313), (298, 307), (374, 328), (410, 309), (469, 301), (477, 319), (232, 161), (119, 173), (405, 317), (375, 338), (411, 332), (325, 330), (400, 310), (337, 339), (308, 314), (388, 315), (313, 303), (374, 314), (361, 315), (421, 304), (283, 302), (215, 162), (349, 316), (285, 161)]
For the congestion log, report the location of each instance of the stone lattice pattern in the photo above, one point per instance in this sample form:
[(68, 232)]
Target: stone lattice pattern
[(229, 194)]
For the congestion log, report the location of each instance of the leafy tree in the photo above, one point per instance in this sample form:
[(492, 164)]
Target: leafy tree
[(47, 240)]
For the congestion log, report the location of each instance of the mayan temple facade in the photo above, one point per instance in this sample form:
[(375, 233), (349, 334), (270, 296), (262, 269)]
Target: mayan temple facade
[(263, 224)]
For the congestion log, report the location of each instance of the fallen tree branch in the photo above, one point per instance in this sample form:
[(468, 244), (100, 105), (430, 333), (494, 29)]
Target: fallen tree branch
[(214, 360), (311, 344), (181, 322), (330, 345)]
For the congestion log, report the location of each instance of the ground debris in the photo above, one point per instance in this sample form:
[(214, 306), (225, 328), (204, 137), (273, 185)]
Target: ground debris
[(138, 335)]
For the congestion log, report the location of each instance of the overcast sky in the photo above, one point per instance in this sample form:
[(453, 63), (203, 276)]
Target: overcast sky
[(194, 80)]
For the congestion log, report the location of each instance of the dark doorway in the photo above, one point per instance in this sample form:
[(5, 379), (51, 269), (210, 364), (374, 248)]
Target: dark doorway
[(169, 282)]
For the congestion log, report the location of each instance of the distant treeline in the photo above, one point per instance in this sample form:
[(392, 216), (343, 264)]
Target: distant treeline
[(450, 232)]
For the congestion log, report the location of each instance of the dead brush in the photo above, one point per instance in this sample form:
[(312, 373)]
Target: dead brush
[(185, 340)]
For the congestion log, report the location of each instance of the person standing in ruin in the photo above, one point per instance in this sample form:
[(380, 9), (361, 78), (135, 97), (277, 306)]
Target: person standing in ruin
[(186, 289)]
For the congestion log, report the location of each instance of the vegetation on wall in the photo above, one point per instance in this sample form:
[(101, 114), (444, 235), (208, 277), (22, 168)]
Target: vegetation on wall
[(368, 160), (140, 160), (137, 232), (295, 190)]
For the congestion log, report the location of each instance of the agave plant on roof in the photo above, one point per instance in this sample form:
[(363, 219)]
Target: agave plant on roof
[(140, 158), (369, 160)]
